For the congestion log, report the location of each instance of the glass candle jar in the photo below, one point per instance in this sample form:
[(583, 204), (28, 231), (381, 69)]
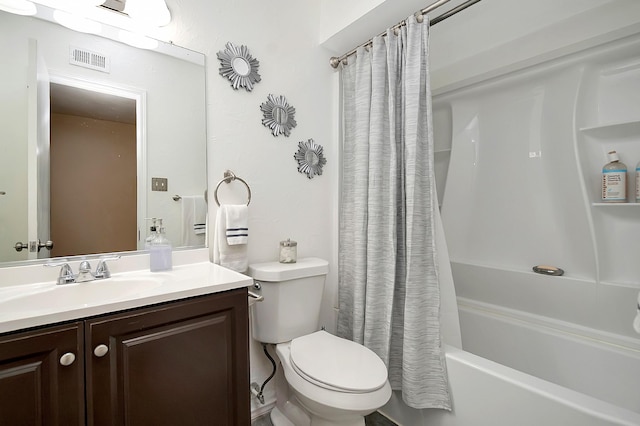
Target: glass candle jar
[(288, 251)]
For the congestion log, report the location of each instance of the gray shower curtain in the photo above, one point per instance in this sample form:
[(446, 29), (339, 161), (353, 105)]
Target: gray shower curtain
[(389, 296)]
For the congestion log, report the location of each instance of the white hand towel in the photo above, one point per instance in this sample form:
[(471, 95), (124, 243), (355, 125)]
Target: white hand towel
[(194, 214), (237, 224), (230, 256)]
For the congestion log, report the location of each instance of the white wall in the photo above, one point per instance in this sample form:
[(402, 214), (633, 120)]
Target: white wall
[(282, 35)]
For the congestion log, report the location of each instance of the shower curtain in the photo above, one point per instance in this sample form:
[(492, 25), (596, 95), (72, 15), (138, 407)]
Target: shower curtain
[(389, 296)]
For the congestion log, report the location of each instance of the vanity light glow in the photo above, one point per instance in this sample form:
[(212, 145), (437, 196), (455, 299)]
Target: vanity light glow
[(146, 19), (18, 7)]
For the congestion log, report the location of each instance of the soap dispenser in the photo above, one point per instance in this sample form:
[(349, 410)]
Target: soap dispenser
[(152, 233), (160, 255)]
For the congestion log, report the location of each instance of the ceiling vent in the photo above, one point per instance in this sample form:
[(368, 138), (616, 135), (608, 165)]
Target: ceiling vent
[(88, 59)]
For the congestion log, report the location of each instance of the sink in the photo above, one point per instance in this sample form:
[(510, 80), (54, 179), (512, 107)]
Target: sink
[(72, 296)]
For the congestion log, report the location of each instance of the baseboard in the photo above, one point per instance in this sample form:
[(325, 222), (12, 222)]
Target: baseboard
[(257, 411)]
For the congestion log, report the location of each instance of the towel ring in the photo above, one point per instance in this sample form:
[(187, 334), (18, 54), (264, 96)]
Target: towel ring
[(228, 178)]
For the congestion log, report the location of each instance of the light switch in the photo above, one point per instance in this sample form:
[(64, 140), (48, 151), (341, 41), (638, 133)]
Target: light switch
[(159, 184)]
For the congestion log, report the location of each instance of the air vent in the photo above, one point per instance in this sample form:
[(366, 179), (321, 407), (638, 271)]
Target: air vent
[(88, 59)]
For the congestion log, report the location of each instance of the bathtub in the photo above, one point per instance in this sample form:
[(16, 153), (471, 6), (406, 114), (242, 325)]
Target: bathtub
[(519, 369), (520, 156)]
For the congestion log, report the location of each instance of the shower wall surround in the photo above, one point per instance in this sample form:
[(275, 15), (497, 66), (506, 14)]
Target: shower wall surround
[(523, 186)]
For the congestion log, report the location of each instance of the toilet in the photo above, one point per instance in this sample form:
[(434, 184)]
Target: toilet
[(327, 380)]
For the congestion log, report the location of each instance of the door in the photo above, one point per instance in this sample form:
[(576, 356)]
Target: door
[(93, 154), (182, 363), (16, 88), (42, 377)]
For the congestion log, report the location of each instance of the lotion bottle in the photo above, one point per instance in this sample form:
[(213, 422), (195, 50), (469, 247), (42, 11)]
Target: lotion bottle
[(160, 253), (614, 180)]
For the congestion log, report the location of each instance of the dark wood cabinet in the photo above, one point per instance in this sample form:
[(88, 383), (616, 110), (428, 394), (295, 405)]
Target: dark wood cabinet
[(180, 363), (42, 377)]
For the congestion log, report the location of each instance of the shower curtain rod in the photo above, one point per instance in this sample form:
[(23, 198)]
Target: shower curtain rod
[(335, 60)]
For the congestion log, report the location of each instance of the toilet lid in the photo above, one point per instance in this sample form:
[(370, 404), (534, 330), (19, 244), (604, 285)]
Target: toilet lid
[(336, 363)]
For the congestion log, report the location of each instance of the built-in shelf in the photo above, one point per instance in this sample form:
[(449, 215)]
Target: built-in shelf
[(615, 204), (620, 129)]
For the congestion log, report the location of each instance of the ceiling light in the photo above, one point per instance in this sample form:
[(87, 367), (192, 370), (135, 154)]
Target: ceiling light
[(19, 7)]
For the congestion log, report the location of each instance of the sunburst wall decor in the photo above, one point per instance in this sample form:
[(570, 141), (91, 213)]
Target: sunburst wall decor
[(278, 115), (310, 158), (239, 66)]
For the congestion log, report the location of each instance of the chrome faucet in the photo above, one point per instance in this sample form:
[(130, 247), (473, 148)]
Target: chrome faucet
[(66, 274), (102, 270), (84, 271)]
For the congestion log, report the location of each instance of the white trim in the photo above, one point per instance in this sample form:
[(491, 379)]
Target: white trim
[(32, 146), (263, 409)]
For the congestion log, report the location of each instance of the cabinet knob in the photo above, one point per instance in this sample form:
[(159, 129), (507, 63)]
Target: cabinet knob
[(67, 359), (101, 350)]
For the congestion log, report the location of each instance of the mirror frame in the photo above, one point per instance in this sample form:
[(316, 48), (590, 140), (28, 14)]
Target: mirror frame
[(274, 120), (310, 168), (239, 78)]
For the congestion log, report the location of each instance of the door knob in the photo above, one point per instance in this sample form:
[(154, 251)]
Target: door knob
[(100, 350), (67, 359), (48, 245), (21, 246), (33, 245)]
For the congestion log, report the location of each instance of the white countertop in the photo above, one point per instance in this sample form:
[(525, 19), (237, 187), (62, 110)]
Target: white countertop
[(31, 304)]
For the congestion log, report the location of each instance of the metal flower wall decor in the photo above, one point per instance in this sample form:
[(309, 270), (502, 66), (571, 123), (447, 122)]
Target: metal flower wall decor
[(278, 115), (239, 66), (310, 158)]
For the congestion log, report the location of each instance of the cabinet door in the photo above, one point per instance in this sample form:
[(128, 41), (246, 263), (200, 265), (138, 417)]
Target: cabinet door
[(182, 363), (42, 377)]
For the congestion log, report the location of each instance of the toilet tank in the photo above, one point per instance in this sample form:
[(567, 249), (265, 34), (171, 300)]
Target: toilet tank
[(292, 297)]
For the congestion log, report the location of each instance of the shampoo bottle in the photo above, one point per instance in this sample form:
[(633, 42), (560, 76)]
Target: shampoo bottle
[(160, 251), (614, 180)]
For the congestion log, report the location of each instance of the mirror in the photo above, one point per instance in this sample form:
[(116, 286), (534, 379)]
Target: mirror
[(278, 115), (310, 158), (241, 66), (102, 115), (237, 64)]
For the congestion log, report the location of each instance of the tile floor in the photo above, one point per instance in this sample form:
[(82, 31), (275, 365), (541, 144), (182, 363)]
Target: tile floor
[(373, 419)]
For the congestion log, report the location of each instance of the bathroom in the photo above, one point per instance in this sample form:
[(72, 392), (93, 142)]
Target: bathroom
[(293, 42)]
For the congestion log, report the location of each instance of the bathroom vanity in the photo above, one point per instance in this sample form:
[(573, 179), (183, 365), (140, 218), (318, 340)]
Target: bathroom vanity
[(173, 353)]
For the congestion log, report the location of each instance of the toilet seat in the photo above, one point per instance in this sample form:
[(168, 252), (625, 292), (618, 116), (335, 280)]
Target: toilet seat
[(337, 364)]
